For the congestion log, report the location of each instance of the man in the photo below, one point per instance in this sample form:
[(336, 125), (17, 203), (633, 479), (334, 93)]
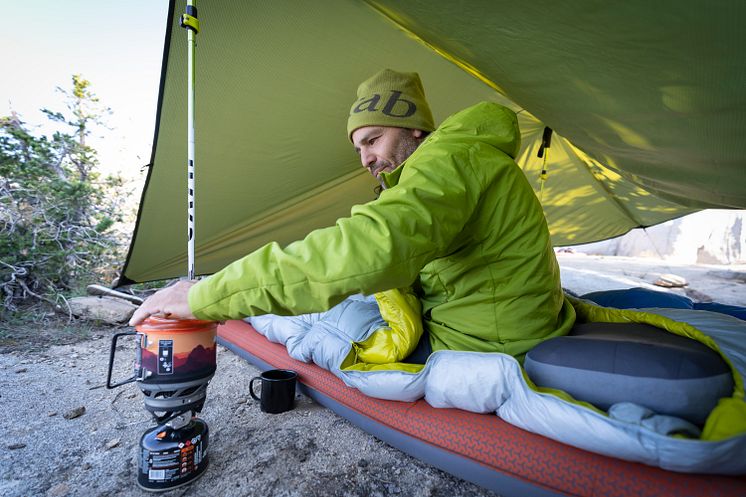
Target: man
[(457, 220)]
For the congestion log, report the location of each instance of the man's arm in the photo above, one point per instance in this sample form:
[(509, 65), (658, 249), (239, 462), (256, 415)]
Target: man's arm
[(382, 245)]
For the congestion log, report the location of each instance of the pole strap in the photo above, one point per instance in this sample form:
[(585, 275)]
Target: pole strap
[(189, 19), (546, 143)]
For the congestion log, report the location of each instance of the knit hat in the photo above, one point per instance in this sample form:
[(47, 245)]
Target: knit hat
[(391, 98)]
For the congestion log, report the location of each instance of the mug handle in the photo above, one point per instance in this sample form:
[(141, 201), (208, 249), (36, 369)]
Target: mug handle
[(251, 387)]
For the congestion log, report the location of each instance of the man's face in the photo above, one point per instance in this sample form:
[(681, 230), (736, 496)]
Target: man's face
[(384, 148)]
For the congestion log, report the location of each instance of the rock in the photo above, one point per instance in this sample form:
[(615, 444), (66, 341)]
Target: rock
[(113, 443), (106, 309), (696, 295), (74, 413), (16, 446), (59, 490), (21, 370), (52, 414), (671, 281)]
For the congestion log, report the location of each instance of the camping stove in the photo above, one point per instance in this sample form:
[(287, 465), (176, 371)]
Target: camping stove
[(174, 362)]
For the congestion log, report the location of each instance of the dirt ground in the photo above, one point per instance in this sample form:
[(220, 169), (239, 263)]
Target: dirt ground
[(309, 451), (49, 373)]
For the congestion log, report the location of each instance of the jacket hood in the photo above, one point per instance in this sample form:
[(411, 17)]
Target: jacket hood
[(486, 121)]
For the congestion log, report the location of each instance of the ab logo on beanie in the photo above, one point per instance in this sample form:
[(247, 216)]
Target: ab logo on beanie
[(391, 98), (388, 109)]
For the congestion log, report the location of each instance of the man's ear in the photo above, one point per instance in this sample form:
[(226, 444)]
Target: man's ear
[(417, 133)]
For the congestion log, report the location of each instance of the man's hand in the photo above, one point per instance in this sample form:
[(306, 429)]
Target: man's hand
[(170, 302)]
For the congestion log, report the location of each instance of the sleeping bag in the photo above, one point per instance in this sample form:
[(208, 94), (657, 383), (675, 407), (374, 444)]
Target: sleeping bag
[(350, 338)]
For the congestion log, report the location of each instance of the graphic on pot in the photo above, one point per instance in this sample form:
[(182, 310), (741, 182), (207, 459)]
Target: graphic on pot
[(179, 353)]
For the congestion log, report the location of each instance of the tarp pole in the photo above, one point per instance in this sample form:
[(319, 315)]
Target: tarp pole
[(191, 23)]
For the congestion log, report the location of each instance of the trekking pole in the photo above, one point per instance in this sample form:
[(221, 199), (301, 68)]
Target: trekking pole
[(191, 23)]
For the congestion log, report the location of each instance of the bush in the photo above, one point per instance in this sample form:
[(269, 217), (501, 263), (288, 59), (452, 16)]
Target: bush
[(57, 213)]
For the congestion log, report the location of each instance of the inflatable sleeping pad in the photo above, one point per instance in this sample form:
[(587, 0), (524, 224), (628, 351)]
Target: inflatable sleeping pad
[(481, 448)]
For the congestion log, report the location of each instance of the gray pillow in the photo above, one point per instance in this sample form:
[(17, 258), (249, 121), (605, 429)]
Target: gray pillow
[(607, 363)]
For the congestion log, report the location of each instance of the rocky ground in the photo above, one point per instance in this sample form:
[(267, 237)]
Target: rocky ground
[(65, 434), (583, 273)]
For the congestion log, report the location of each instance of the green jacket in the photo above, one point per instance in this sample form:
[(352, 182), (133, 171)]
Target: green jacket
[(459, 222)]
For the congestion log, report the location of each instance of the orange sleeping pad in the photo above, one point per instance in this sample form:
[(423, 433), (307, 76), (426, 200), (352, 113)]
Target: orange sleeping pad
[(481, 448)]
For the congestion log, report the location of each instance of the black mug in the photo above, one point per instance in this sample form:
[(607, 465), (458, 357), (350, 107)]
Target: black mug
[(278, 390)]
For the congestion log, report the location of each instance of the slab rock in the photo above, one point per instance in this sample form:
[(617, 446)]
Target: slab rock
[(106, 309), (671, 281)]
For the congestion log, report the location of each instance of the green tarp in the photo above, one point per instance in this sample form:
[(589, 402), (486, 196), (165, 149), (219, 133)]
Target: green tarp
[(647, 101)]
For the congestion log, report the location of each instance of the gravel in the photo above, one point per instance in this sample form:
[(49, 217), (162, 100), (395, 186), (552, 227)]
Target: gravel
[(66, 434)]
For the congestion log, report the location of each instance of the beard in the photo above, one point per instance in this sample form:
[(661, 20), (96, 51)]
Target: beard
[(405, 147)]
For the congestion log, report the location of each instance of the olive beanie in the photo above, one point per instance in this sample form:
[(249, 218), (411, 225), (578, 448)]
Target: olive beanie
[(391, 98)]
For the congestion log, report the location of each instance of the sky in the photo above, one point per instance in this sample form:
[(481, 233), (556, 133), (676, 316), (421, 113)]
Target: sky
[(117, 46)]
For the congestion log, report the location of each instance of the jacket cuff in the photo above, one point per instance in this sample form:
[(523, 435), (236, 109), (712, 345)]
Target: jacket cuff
[(198, 298)]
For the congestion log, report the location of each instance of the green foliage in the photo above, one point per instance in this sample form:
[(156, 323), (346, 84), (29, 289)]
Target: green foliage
[(57, 213)]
